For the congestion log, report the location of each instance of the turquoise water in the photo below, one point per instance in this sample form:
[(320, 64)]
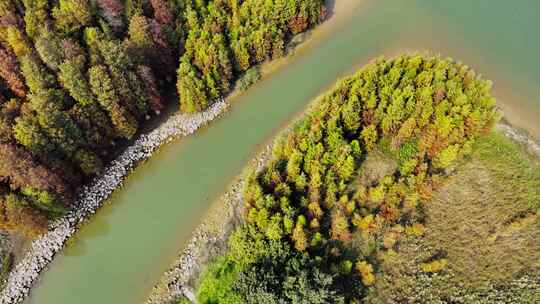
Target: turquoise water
[(122, 252)]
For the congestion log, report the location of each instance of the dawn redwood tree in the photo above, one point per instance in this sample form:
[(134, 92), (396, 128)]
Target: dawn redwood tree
[(72, 77), (10, 72), (72, 15), (103, 88), (23, 171), (154, 98), (96, 125), (49, 47), (9, 110), (38, 78), (192, 90), (113, 12), (28, 133), (77, 75), (163, 12)]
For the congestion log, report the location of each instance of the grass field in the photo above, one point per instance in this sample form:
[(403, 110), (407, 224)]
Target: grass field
[(483, 224)]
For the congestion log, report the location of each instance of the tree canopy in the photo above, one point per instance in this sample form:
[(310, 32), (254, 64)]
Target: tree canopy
[(78, 76), (321, 201)]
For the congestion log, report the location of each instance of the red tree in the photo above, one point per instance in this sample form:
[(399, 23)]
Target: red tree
[(162, 12), (9, 70), (22, 170), (112, 11), (166, 55), (154, 98)]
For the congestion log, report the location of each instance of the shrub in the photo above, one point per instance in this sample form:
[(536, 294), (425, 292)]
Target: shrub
[(251, 76)]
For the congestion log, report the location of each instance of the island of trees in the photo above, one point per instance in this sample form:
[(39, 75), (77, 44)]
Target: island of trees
[(321, 213), (78, 78)]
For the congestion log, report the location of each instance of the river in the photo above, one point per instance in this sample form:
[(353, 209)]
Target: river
[(120, 254)]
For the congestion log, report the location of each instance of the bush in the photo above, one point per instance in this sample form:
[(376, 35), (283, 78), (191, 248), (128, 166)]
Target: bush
[(251, 76), (216, 283)]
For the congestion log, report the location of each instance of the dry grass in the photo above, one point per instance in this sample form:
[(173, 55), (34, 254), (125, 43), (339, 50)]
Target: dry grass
[(484, 221), (485, 230), (376, 166)]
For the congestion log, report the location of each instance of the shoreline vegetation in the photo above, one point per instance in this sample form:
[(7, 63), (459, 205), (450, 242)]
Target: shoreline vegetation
[(130, 41), (209, 239), (41, 250), (79, 79), (213, 232), (94, 195), (182, 279)]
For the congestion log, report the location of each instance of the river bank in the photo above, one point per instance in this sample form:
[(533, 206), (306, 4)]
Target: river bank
[(214, 168), (207, 242), (209, 239), (92, 197), (42, 250)]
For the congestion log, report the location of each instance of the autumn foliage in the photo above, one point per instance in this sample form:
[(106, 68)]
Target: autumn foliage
[(316, 194), (77, 77)]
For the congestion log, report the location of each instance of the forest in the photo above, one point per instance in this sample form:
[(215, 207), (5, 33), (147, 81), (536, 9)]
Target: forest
[(320, 216), (79, 78)]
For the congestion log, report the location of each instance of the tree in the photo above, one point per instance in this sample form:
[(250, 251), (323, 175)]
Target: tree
[(192, 90), (36, 75), (369, 136), (71, 76), (29, 134), (17, 215), (103, 88), (163, 12), (35, 16), (9, 71), (49, 48), (112, 11), (283, 276), (9, 110), (140, 35), (23, 171), (96, 125), (154, 98), (72, 15), (18, 42)]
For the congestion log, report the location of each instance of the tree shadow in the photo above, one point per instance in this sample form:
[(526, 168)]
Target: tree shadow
[(330, 5)]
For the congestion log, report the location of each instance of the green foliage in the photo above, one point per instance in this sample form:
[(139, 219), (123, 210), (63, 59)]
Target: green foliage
[(225, 39), (87, 73), (36, 75), (105, 92), (326, 201), (44, 200), (251, 77), (184, 300), (282, 276), (49, 49), (217, 282), (72, 15), (279, 275), (73, 79)]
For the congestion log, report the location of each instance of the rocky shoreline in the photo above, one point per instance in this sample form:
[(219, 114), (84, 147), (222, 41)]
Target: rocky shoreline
[(92, 197), (519, 136), (208, 241)]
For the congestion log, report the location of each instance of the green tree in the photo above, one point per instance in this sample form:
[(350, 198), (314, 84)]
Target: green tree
[(103, 88)]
